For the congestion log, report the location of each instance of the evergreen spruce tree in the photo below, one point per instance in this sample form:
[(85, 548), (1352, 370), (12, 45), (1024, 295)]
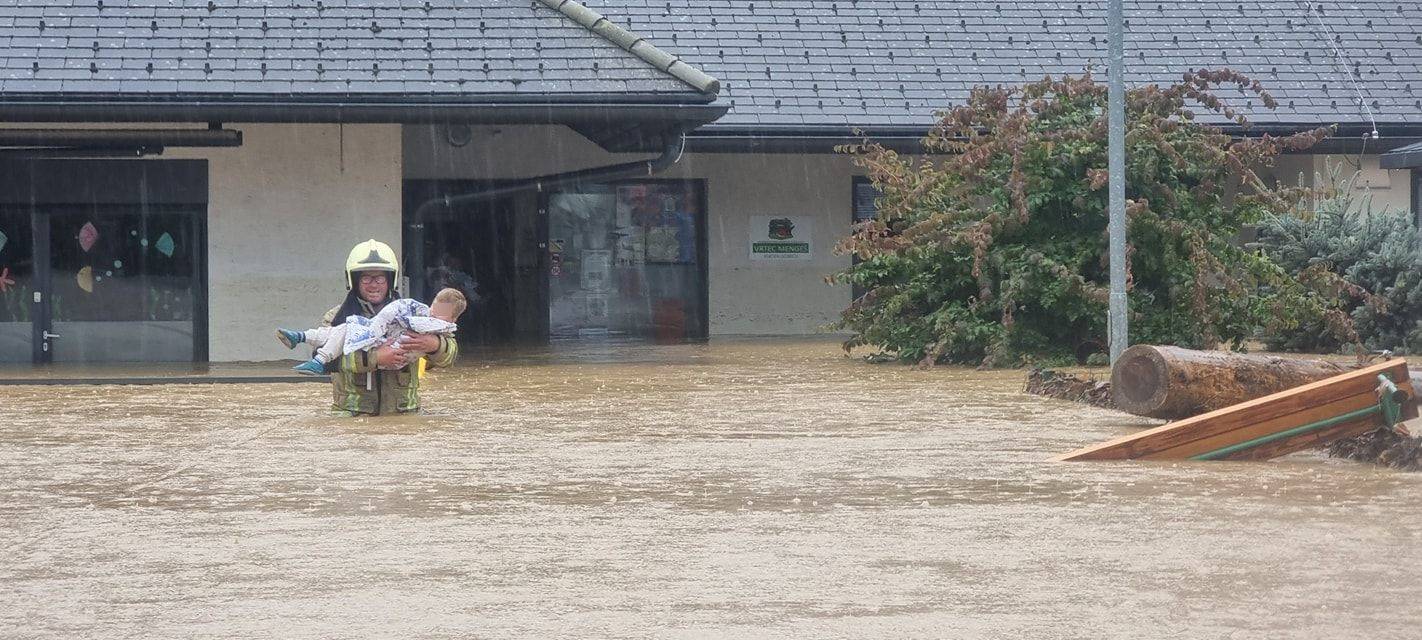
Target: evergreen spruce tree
[(1376, 256)]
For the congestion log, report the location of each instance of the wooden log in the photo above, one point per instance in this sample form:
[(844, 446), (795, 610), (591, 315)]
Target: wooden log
[(1173, 383), (1271, 414)]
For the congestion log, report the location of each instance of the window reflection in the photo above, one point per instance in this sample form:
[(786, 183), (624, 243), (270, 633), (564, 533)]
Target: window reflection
[(113, 265), (624, 261), (123, 283)]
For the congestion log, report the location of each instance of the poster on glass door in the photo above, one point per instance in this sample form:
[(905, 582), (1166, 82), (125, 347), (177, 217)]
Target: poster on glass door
[(780, 238)]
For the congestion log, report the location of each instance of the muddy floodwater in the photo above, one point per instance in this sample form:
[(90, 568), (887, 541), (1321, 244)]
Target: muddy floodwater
[(731, 490)]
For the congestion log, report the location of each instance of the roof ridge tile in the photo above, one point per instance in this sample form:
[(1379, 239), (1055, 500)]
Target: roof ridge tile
[(636, 45)]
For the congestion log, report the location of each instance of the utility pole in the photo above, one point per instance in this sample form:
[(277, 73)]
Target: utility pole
[(1116, 332)]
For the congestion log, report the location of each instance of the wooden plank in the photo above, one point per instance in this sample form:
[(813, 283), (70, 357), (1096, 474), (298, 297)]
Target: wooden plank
[(1308, 440), (1313, 414), (1275, 409), (1259, 429), (1322, 437)]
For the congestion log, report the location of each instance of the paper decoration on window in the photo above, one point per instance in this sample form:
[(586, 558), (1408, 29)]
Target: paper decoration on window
[(165, 244), (3, 240), (88, 235), (85, 278), (662, 244), (5, 280)]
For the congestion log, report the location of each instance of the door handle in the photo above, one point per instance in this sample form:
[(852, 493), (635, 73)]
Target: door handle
[(49, 336)]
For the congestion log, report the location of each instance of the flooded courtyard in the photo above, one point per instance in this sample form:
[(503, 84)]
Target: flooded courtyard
[(734, 489)]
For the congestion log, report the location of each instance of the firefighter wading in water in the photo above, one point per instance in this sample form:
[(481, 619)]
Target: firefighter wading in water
[(386, 379)]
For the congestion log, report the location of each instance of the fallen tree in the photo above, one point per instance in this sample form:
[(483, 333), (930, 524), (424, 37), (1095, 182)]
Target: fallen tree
[(1174, 383)]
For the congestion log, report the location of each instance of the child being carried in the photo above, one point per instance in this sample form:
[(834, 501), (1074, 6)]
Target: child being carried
[(360, 333)]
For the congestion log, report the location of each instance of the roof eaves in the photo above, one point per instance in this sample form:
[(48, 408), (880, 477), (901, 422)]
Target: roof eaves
[(634, 44), (366, 108), (1408, 157)]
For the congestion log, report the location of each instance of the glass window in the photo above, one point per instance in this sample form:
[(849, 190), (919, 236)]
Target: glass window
[(866, 200), (112, 265), (864, 206), (123, 283), (625, 260), (103, 258)]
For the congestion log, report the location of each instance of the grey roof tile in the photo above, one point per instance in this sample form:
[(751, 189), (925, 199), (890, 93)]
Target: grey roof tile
[(736, 40), (194, 49)]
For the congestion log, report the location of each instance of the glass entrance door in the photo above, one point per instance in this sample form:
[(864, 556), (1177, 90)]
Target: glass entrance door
[(488, 249)]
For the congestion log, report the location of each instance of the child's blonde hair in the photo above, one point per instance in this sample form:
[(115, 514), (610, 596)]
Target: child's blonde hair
[(454, 298)]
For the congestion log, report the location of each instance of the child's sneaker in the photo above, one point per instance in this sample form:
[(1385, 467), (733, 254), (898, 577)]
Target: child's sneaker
[(312, 367), (290, 338)]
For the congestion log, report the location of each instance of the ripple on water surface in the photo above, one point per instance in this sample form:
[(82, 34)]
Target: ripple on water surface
[(740, 488)]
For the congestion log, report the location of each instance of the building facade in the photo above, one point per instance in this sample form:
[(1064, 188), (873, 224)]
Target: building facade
[(579, 182)]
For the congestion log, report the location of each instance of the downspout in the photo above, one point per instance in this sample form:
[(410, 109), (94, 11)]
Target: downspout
[(671, 153)]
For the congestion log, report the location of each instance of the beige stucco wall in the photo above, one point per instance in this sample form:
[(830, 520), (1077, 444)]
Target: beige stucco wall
[(1389, 188), (283, 211), (746, 297)]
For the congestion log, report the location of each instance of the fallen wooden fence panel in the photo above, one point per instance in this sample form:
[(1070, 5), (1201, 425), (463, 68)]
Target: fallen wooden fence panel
[(1311, 415)]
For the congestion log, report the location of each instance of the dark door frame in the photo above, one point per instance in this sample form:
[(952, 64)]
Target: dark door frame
[(41, 319)]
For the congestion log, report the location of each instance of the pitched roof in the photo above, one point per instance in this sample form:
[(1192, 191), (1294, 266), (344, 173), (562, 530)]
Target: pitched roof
[(832, 64), (465, 50)]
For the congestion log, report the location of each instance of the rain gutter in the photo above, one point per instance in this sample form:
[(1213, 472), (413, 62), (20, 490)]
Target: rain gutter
[(1347, 138), (671, 153)]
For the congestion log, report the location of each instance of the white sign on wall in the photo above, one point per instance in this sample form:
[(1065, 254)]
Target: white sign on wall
[(781, 238)]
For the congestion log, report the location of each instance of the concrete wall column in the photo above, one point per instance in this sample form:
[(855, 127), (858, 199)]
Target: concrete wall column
[(283, 211)]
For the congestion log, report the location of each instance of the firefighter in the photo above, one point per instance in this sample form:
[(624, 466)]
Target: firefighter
[(386, 379)]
